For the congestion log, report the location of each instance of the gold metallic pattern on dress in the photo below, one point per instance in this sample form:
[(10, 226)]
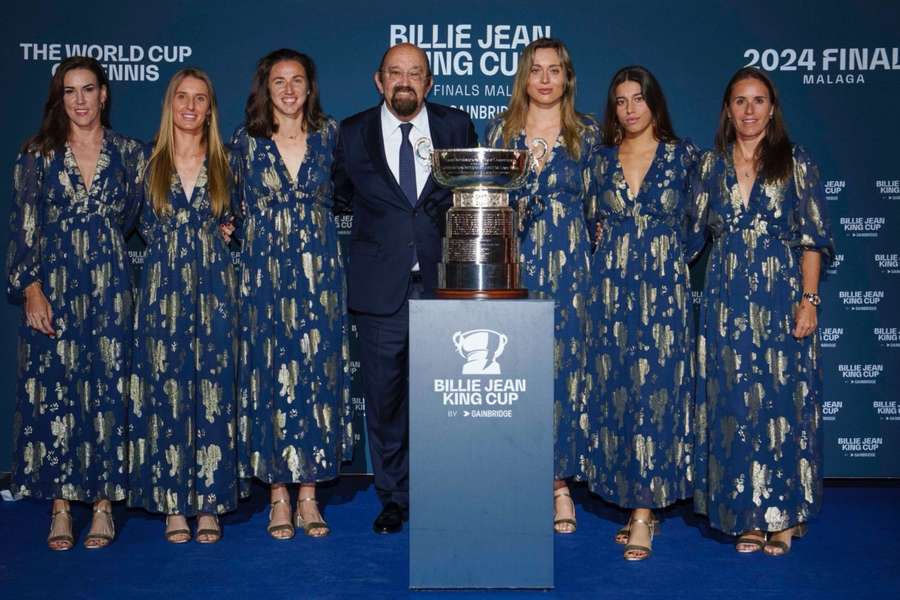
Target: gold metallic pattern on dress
[(294, 369), (641, 343), (759, 452), (68, 235), (183, 441)]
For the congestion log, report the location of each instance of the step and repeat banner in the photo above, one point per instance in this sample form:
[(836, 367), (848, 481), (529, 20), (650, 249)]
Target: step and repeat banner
[(836, 64)]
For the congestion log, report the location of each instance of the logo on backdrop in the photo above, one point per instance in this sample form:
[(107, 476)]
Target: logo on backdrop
[(830, 409), (888, 264), (860, 447), (833, 189), (861, 299), (887, 410), (888, 188), (466, 396), (131, 62), (828, 66), (464, 61), (887, 337), (830, 336), (859, 373), (480, 349), (835, 264), (862, 227)]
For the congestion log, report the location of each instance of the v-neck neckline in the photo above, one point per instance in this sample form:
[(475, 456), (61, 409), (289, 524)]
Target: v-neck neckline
[(199, 182), (551, 151), (732, 173), (291, 179), (631, 194), (88, 187)]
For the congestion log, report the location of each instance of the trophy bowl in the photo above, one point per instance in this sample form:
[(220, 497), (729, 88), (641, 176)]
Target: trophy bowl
[(480, 257)]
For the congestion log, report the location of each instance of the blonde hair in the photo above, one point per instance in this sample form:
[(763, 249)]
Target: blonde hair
[(572, 127), (162, 163)]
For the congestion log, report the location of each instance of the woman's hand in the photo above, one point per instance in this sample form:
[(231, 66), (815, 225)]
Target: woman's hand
[(38, 313), (805, 319), (226, 229)]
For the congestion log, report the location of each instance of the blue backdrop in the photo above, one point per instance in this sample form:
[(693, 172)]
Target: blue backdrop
[(837, 66)]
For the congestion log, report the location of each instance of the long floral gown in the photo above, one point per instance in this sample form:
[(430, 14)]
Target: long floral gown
[(642, 342), (183, 421), (759, 424), (294, 356), (555, 256), (70, 416)]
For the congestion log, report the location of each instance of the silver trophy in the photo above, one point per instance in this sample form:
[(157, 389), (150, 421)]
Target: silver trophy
[(481, 247)]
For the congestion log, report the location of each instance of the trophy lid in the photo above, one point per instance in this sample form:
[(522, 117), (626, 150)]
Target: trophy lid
[(497, 168)]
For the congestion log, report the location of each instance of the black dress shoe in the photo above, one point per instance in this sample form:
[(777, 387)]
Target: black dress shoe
[(390, 520)]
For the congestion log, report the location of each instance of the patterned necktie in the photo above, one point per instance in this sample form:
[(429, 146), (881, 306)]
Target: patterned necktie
[(407, 166)]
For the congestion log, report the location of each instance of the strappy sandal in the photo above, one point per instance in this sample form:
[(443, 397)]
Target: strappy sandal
[(622, 534), (647, 550), (782, 548), (312, 525), (559, 524), (214, 534), (172, 535), (64, 541), (746, 539), (103, 539), (288, 527)]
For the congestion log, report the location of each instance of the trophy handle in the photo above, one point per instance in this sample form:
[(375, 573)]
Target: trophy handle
[(536, 158)]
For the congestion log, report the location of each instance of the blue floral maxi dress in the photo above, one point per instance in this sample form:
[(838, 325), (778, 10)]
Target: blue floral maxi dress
[(183, 423), (555, 256), (294, 356), (759, 427), (642, 342), (69, 422)]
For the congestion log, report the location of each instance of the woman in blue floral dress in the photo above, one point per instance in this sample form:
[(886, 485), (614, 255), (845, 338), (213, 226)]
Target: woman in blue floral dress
[(294, 378), (183, 423), (76, 194), (555, 244), (759, 425), (642, 350)]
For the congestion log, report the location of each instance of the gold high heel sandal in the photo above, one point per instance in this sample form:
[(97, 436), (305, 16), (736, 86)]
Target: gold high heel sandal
[(63, 541), (274, 529), (103, 539), (779, 548), (560, 525), (647, 550), (312, 525)]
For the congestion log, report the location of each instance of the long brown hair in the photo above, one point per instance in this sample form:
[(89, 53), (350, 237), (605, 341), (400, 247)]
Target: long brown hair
[(514, 118), (162, 160), (773, 155), (653, 95), (259, 116), (55, 123)]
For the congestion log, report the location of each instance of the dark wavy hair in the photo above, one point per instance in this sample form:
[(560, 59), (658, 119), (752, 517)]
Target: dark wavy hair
[(612, 132), (55, 123), (774, 156), (260, 119)]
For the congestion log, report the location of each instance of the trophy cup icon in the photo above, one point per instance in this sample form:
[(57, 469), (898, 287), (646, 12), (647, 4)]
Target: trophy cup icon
[(480, 349)]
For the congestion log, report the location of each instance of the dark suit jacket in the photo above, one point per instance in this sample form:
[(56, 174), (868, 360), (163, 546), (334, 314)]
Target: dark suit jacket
[(386, 227)]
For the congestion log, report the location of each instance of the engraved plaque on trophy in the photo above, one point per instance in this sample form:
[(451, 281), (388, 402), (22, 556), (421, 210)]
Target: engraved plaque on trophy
[(481, 247)]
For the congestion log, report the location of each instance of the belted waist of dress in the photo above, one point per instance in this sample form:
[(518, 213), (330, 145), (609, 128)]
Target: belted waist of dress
[(103, 212), (758, 226), (184, 217), (643, 220)]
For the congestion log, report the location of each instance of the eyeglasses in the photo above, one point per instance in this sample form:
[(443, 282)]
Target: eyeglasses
[(416, 75)]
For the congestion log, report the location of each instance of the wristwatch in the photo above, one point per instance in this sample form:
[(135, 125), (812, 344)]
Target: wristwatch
[(813, 298)]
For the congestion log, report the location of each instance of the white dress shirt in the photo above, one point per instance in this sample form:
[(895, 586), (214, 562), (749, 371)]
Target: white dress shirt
[(392, 136)]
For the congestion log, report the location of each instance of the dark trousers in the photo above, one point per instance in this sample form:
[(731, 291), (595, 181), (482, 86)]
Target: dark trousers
[(384, 362)]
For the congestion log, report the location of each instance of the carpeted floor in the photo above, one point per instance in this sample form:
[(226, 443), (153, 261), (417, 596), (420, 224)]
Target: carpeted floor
[(851, 552)]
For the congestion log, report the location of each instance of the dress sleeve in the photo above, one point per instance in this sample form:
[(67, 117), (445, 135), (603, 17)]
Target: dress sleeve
[(811, 216), (23, 260), (134, 158), (695, 230), (149, 225)]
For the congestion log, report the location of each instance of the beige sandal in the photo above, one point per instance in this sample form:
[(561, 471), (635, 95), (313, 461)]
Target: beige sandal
[(63, 541), (561, 525), (171, 534), (647, 550), (312, 525), (622, 534), (103, 539), (274, 529), (750, 541), (779, 548), (214, 534)]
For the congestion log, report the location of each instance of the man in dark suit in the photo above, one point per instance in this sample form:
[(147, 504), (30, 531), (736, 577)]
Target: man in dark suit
[(395, 246)]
